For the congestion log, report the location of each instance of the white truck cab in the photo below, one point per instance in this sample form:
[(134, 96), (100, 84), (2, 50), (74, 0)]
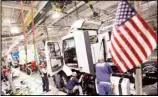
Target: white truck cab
[(75, 49), (79, 51)]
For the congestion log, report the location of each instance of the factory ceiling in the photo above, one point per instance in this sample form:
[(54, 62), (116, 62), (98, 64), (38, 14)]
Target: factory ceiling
[(53, 19)]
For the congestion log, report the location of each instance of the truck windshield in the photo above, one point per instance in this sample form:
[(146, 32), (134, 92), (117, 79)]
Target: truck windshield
[(69, 43), (70, 52)]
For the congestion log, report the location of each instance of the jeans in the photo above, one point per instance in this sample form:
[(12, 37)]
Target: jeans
[(45, 83), (77, 87), (104, 88)]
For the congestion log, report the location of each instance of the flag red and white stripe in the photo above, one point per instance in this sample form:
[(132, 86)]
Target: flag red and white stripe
[(132, 40)]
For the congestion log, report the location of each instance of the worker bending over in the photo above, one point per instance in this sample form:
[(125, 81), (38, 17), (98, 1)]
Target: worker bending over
[(103, 73), (73, 85)]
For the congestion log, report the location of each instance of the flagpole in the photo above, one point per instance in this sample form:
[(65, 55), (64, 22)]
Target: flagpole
[(138, 77)]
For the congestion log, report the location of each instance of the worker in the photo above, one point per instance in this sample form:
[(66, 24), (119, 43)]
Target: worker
[(44, 76), (8, 76), (103, 73), (4, 71), (73, 85), (10, 63), (33, 65), (42, 55)]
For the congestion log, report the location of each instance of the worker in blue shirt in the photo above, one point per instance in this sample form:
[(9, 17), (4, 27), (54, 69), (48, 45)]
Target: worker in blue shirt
[(73, 85), (103, 72)]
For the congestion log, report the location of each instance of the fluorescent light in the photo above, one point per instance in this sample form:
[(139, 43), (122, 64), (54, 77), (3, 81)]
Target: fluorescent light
[(56, 15), (14, 30)]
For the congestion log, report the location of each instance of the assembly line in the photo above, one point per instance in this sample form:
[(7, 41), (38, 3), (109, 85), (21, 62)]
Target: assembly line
[(90, 57)]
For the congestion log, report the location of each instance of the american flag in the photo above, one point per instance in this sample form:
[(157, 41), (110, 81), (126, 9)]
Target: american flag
[(132, 40)]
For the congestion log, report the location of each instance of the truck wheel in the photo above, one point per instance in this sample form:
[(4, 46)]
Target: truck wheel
[(2, 93), (64, 80), (57, 81)]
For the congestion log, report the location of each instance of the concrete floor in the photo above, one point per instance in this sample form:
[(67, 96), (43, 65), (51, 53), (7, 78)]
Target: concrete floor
[(34, 81)]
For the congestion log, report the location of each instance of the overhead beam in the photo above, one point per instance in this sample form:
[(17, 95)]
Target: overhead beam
[(18, 25), (7, 41), (16, 6), (18, 34), (11, 35), (39, 8)]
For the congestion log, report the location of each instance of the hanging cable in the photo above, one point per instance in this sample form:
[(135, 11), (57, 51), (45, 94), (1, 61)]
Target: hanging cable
[(33, 35), (25, 40)]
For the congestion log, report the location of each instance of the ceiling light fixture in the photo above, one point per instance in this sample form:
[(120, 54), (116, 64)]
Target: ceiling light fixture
[(14, 30), (56, 15)]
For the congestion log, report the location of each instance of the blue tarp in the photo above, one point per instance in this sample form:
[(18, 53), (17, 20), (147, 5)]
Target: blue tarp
[(15, 55)]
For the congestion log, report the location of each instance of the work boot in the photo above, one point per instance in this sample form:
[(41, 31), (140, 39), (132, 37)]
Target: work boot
[(44, 90), (48, 90)]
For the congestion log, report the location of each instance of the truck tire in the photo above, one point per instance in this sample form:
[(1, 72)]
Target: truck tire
[(57, 81), (2, 93), (64, 80)]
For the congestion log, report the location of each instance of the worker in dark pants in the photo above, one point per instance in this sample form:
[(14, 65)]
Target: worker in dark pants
[(103, 72), (8, 77), (44, 75), (4, 71), (10, 63), (3, 77)]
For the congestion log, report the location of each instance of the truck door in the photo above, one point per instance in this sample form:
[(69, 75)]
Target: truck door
[(53, 56), (69, 51)]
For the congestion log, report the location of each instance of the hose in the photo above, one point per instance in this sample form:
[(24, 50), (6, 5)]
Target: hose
[(33, 33)]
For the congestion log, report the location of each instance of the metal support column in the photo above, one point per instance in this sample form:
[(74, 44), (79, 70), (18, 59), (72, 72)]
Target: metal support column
[(89, 52), (138, 77), (138, 81), (0, 40)]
